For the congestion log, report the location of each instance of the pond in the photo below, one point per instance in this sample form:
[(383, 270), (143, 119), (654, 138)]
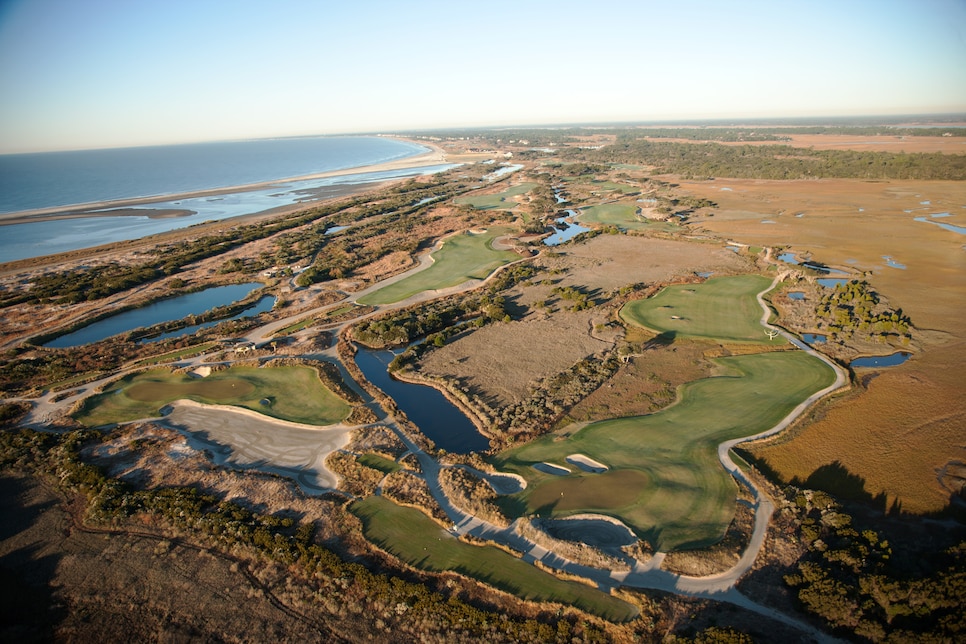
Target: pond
[(796, 295), (814, 338), (566, 230), (831, 282), (263, 305), (881, 361), (439, 419), (168, 310)]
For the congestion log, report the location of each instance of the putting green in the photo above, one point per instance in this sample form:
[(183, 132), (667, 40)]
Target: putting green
[(723, 308), (499, 201), (462, 257), (292, 393), (665, 481)]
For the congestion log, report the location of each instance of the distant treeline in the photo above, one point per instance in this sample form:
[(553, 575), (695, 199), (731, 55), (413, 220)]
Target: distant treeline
[(733, 134), (703, 160)]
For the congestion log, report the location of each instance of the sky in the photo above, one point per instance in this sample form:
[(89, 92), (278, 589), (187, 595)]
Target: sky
[(77, 74)]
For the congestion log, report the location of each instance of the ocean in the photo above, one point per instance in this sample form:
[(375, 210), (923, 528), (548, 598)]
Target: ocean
[(54, 179), (57, 179)]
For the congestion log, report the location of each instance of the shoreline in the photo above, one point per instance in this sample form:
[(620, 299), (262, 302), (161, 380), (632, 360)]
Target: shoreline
[(126, 207)]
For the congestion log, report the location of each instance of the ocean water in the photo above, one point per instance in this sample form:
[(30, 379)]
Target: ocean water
[(53, 179), (35, 239)]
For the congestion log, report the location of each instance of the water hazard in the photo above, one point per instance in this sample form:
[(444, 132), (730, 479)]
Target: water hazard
[(439, 419), (881, 361), (168, 310)]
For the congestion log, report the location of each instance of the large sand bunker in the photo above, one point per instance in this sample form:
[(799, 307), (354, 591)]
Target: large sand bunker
[(596, 531), (586, 463), (248, 440), (550, 468)]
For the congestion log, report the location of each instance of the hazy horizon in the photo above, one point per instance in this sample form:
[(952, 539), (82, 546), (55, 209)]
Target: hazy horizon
[(107, 73)]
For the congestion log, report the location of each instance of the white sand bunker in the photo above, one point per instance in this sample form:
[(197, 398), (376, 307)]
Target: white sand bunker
[(586, 463), (550, 468), (201, 372), (597, 531), (248, 440)]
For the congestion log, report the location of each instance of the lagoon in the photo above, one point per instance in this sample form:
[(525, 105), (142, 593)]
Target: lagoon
[(174, 308), (439, 419)]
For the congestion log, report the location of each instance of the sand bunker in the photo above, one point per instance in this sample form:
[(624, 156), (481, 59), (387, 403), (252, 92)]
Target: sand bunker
[(550, 468), (586, 463), (248, 440), (597, 531), (201, 372)]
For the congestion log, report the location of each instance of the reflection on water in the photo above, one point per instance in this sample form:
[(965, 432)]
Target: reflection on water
[(168, 310), (814, 338), (439, 419), (881, 361)]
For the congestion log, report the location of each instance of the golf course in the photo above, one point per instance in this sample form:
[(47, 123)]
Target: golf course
[(462, 257), (293, 393), (659, 473)]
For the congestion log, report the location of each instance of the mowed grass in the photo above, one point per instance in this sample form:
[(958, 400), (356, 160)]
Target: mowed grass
[(419, 541), (294, 393), (500, 201), (665, 481), (622, 215), (462, 257), (723, 308)]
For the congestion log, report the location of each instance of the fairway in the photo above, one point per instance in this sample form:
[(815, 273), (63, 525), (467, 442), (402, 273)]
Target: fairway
[(665, 481), (419, 541), (292, 393), (500, 201), (722, 308), (461, 258)]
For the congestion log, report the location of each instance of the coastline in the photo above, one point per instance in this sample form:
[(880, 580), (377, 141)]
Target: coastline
[(125, 207)]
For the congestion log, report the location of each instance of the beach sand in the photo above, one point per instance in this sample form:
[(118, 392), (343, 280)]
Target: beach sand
[(434, 156)]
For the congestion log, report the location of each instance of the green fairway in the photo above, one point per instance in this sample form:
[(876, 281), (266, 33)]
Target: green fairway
[(292, 393), (622, 215), (462, 257), (500, 201), (418, 540), (665, 481), (723, 308)]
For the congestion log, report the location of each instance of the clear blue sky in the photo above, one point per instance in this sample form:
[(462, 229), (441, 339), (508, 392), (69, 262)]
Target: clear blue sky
[(107, 73)]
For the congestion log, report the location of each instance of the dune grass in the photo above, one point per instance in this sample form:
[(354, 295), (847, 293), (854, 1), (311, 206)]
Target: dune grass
[(500, 201), (665, 481), (419, 541), (723, 308), (462, 257), (294, 393)]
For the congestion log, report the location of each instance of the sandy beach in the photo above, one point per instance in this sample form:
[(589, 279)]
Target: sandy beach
[(434, 156)]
